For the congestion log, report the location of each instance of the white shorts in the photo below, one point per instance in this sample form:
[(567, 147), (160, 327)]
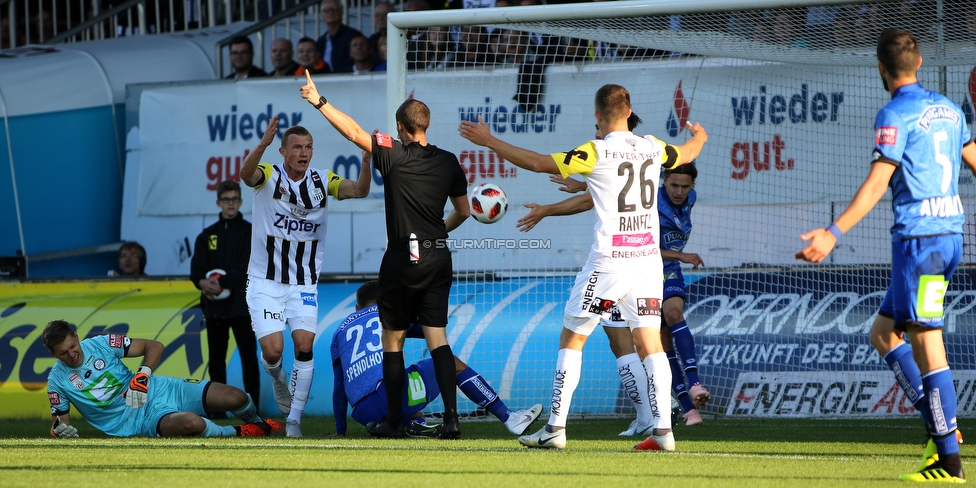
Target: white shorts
[(596, 293), (614, 320), (273, 304)]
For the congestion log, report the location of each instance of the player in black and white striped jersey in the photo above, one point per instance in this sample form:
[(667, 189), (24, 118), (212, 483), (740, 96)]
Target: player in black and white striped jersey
[(288, 235)]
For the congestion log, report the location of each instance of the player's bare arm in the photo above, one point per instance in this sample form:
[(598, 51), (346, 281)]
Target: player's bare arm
[(969, 156), (360, 187), (570, 206), (150, 350), (568, 185), (480, 134), (458, 214), (692, 148), (249, 170), (868, 195), (685, 257), (349, 128)]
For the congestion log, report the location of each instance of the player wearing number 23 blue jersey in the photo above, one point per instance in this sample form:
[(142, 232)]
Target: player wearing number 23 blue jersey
[(920, 137)]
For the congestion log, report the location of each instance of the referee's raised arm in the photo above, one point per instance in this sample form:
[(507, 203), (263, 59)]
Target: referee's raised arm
[(349, 128)]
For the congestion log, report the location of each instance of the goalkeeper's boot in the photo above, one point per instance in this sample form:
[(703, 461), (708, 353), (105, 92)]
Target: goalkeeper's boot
[(937, 472), (544, 439), (282, 397), (693, 417), (293, 428), (259, 429), (518, 422), (276, 427), (420, 428), (654, 442), (699, 395), (931, 455)]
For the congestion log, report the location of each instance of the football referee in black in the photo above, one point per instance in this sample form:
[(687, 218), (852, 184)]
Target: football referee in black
[(416, 272)]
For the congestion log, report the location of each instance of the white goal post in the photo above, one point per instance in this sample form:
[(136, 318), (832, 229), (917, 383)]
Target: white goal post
[(787, 91)]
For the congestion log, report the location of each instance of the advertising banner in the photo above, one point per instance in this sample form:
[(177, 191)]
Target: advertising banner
[(787, 343)]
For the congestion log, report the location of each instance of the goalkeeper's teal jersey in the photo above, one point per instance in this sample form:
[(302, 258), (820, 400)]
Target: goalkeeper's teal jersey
[(95, 388)]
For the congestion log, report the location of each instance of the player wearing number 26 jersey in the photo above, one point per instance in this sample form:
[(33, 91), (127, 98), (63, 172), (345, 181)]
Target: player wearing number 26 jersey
[(624, 267)]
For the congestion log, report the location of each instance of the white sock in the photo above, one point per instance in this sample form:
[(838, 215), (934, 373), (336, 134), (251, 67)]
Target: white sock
[(569, 364), (659, 381), (274, 370), (634, 380), (304, 370)]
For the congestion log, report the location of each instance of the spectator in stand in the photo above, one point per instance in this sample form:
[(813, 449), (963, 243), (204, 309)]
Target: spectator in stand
[(362, 55), (333, 46), (576, 50), (283, 58), (472, 48), (219, 264), (380, 11), (820, 24), (309, 58), (381, 47), (416, 38), (242, 59), (512, 47), (132, 260), (5, 42)]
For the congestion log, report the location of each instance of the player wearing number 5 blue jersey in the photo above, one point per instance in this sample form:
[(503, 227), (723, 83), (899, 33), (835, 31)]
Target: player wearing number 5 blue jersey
[(624, 266), (919, 138), (90, 375), (357, 362)]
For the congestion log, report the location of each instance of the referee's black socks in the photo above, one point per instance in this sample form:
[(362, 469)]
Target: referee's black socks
[(394, 376), (446, 375)]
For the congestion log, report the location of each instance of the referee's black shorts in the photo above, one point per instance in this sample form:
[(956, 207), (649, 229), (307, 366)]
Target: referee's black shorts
[(415, 293)]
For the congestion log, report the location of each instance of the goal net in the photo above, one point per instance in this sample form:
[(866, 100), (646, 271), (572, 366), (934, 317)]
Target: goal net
[(788, 97)]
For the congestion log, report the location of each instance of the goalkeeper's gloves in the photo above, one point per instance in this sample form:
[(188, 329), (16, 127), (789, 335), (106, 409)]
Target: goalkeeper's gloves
[(138, 393), (63, 430)]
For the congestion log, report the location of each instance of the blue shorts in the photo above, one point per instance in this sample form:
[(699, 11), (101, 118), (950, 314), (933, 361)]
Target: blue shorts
[(169, 395), (920, 272), (674, 285), (419, 390)]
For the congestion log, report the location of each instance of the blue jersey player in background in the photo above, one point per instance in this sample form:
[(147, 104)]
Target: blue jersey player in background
[(357, 363), (90, 375), (676, 197), (920, 136)]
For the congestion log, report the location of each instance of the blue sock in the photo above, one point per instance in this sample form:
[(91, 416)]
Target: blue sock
[(909, 377), (684, 343), (678, 383), (941, 394), (479, 391), (214, 430)]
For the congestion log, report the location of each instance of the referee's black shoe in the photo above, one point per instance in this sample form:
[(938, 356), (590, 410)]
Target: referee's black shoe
[(450, 429), (383, 429)]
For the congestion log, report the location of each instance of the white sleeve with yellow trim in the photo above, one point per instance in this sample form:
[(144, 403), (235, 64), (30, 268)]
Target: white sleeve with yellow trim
[(672, 155), (579, 161)]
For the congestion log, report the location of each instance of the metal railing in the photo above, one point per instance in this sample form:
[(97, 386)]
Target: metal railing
[(25, 22)]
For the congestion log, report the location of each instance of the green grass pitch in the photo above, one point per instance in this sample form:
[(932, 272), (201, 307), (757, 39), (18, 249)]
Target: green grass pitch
[(723, 452)]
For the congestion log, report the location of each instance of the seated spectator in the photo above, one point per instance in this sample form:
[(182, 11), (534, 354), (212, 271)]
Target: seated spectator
[(576, 50), (472, 48), (511, 47), (242, 59), (333, 45), (381, 47), (362, 55), (308, 58), (381, 9), (132, 260), (283, 58)]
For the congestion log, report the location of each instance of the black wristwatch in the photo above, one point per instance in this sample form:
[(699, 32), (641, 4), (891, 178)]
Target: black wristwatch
[(322, 101)]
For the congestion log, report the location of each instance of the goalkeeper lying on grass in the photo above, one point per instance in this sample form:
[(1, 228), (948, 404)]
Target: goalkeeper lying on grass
[(90, 374)]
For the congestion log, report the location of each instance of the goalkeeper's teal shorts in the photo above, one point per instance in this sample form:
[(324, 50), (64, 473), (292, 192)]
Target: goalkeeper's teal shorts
[(169, 395)]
